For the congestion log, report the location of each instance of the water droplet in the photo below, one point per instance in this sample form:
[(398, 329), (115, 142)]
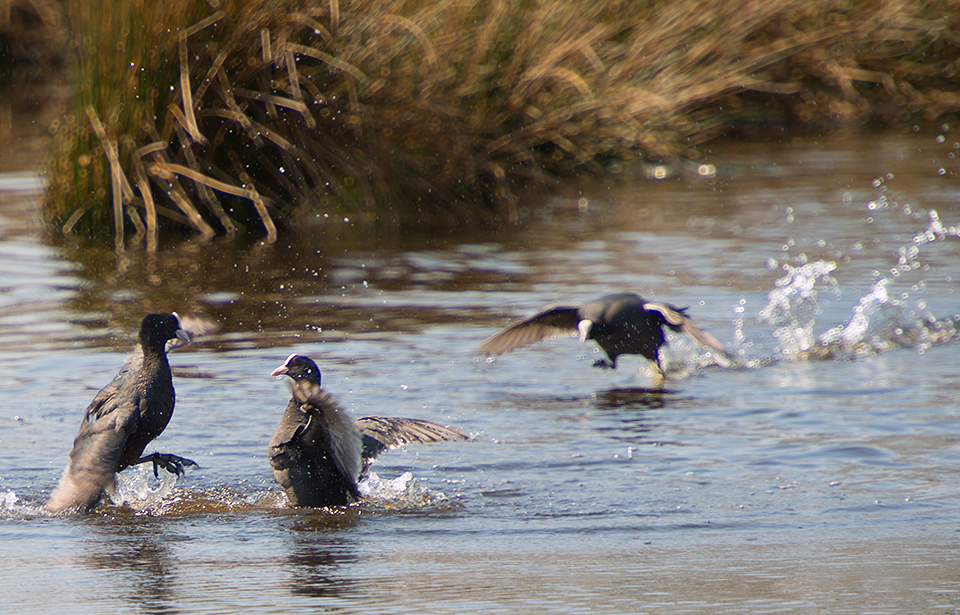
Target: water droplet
[(942, 171), (941, 138)]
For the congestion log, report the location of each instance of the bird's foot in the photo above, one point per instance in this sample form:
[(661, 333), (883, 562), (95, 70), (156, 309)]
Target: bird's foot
[(659, 376), (658, 380), (603, 364), (171, 463)]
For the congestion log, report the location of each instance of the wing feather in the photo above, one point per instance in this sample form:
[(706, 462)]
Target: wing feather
[(676, 319), (381, 433), (552, 322)]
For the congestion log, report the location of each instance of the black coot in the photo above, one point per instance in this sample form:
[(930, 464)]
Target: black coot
[(318, 453), (123, 418), (622, 323)]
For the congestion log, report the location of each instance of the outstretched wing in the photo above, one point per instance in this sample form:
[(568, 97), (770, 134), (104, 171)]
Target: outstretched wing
[(553, 321), (380, 433), (677, 319)]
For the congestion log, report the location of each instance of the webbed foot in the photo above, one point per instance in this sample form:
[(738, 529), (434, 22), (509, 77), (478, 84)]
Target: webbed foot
[(171, 463)]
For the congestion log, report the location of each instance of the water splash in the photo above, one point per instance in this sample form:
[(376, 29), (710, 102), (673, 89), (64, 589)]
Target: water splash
[(136, 490), (12, 507), (881, 320), (936, 231), (402, 492), (850, 337), (794, 303)]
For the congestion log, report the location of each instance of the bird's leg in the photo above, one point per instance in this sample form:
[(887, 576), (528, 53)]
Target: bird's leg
[(659, 375), (608, 363), (171, 463)]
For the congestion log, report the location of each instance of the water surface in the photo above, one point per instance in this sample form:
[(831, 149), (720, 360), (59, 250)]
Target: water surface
[(819, 475)]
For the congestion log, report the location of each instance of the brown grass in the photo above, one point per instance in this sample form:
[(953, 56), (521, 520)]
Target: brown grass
[(253, 114)]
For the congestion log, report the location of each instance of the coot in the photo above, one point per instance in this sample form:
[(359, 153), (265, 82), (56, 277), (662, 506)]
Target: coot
[(123, 418), (318, 453), (621, 323)]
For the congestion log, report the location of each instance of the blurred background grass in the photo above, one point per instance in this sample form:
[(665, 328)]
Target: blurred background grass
[(225, 116)]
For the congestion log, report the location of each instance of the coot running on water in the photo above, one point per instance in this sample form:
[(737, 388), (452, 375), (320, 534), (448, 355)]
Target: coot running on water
[(318, 453), (123, 418), (621, 323)]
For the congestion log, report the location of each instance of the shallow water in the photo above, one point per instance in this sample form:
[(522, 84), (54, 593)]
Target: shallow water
[(818, 475)]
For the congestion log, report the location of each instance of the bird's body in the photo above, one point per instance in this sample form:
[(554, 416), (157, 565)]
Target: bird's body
[(315, 452), (621, 323), (318, 453), (123, 418)]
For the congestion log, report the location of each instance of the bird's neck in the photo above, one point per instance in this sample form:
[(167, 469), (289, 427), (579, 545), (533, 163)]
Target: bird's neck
[(304, 390), (154, 356)]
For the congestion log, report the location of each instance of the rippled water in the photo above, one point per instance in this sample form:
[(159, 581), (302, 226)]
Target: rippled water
[(819, 475)]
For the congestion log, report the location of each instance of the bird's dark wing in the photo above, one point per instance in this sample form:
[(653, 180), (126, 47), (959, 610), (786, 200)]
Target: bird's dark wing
[(553, 321), (286, 458), (293, 423), (105, 399), (380, 433), (677, 320)]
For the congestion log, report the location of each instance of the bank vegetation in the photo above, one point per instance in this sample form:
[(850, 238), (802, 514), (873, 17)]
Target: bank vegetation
[(226, 116)]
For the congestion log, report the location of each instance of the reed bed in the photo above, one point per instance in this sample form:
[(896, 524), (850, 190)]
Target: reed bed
[(254, 115)]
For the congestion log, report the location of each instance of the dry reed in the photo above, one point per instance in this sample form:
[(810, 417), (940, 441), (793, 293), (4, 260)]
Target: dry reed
[(231, 114)]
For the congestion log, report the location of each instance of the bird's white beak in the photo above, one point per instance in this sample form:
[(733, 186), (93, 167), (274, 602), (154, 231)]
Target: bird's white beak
[(182, 335), (283, 369), (584, 326)]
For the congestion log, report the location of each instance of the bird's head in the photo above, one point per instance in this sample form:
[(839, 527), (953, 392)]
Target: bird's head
[(300, 369), (585, 326), (156, 329)]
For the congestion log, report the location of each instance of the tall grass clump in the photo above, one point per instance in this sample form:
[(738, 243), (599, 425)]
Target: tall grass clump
[(225, 115)]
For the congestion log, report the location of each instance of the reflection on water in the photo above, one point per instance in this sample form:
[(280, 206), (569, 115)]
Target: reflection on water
[(636, 398), (136, 556), (829, 270), (319, 554)]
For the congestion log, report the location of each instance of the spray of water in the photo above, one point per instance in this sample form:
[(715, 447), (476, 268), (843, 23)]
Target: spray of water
[(881, 319), (402, 492)]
